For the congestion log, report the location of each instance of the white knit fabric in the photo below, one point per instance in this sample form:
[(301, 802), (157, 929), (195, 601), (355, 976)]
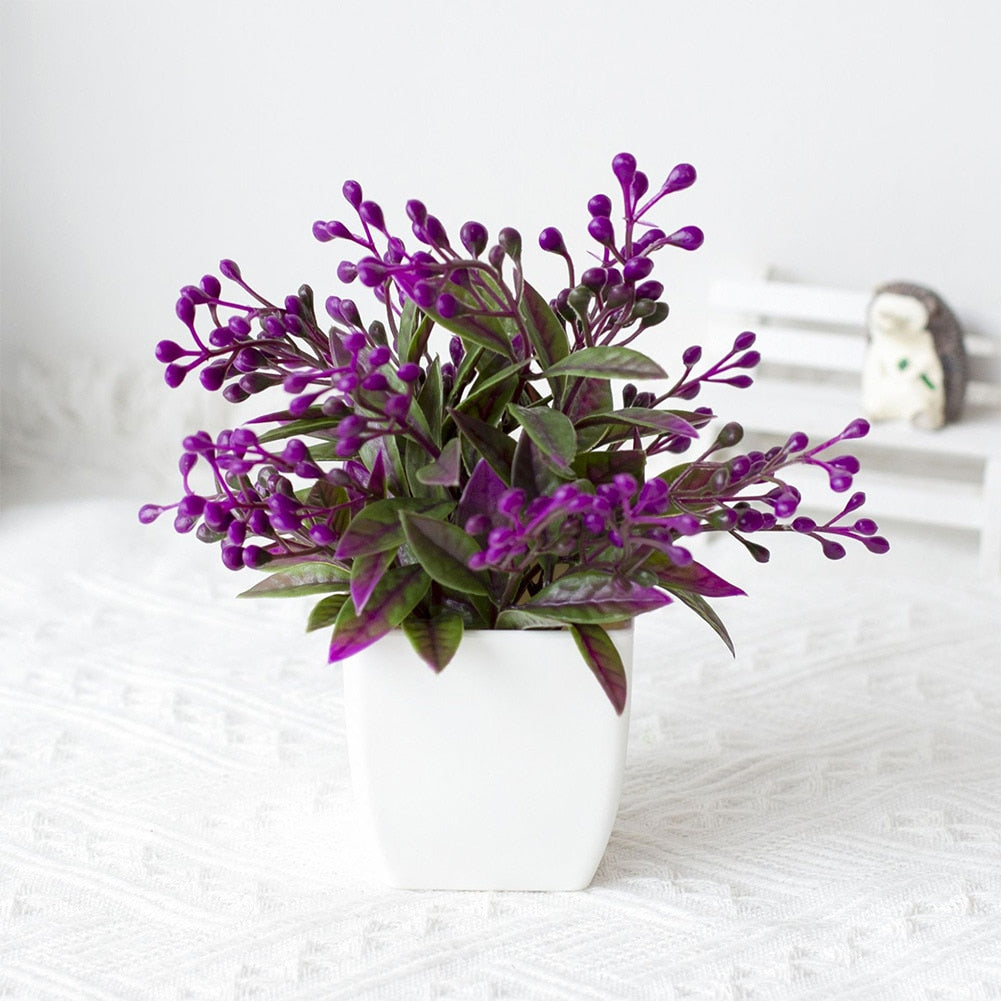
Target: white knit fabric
[(818, 819)]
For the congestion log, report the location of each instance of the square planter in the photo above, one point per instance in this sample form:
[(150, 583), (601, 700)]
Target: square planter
[(503, 772)]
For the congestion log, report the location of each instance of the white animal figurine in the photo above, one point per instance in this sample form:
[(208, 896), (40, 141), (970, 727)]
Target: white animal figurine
[(915, 366)]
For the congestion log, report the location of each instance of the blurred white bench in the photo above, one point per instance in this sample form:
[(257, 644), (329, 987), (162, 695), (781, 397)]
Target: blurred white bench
[(813, 341)]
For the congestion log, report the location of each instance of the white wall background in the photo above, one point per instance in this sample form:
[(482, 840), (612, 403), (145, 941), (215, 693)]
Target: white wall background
[(846, 143)]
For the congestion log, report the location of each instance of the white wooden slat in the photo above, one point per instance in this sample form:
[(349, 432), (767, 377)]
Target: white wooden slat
[(767, 307), (911, 499), (838, 352), (791, 301), (779, 406)]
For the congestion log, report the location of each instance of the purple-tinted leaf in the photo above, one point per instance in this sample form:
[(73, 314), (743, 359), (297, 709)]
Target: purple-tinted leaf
[(530, 471), (435, 640), (300, 579), (548, 337), (377, 476), (694, 577), (445, 470), (551, 431), (701, 607), (590, 396), (366, 572), (377, 527), (393, 600), (389, 449), (593, 596), (607, 362), (603, 658), (493, 445), (481, 492), (443, 550)]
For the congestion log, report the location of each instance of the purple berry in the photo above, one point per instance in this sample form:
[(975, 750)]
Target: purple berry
[(601, 228), (682, 176), (551, 240), (416, 211), (371, 213), (397, 406), (168, 351), (600, 205), (636, 269), (624, 167), (379, 356), (687, 238), (352, 193), (447, 305), (148, 513), (474, 237)]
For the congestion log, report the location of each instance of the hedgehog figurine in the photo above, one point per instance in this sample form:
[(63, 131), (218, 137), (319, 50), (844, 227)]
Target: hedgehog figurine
[(915, 367)]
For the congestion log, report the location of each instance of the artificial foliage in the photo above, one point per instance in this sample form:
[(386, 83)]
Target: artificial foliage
[(538, 471)]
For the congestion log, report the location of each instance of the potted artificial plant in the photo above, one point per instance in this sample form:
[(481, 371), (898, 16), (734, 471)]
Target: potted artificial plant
[(483, 522)]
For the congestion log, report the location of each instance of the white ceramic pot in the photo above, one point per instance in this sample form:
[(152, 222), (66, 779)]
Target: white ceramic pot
[(503, 772)]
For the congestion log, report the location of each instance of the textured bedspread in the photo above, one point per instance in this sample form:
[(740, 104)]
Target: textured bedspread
[(818, 819)]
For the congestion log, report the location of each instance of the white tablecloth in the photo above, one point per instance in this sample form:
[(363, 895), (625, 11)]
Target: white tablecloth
[(818, 819)]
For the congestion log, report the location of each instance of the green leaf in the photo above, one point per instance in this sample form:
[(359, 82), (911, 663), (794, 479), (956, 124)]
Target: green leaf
[(543, 326), (443, 550), (470, 323), (415, 459), (601, 467), (446, 470), (490, 442), (334, 500), (395, 597), (325, 612), (607, 362), (431, 400), (486, 402), (518, 618), (653, 421), (307, 426), (405, 329), (377, 528), (601, 655), (702, 608), (435, 640), (414, 331), (551, 431), (594, 596), (300, 579)]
